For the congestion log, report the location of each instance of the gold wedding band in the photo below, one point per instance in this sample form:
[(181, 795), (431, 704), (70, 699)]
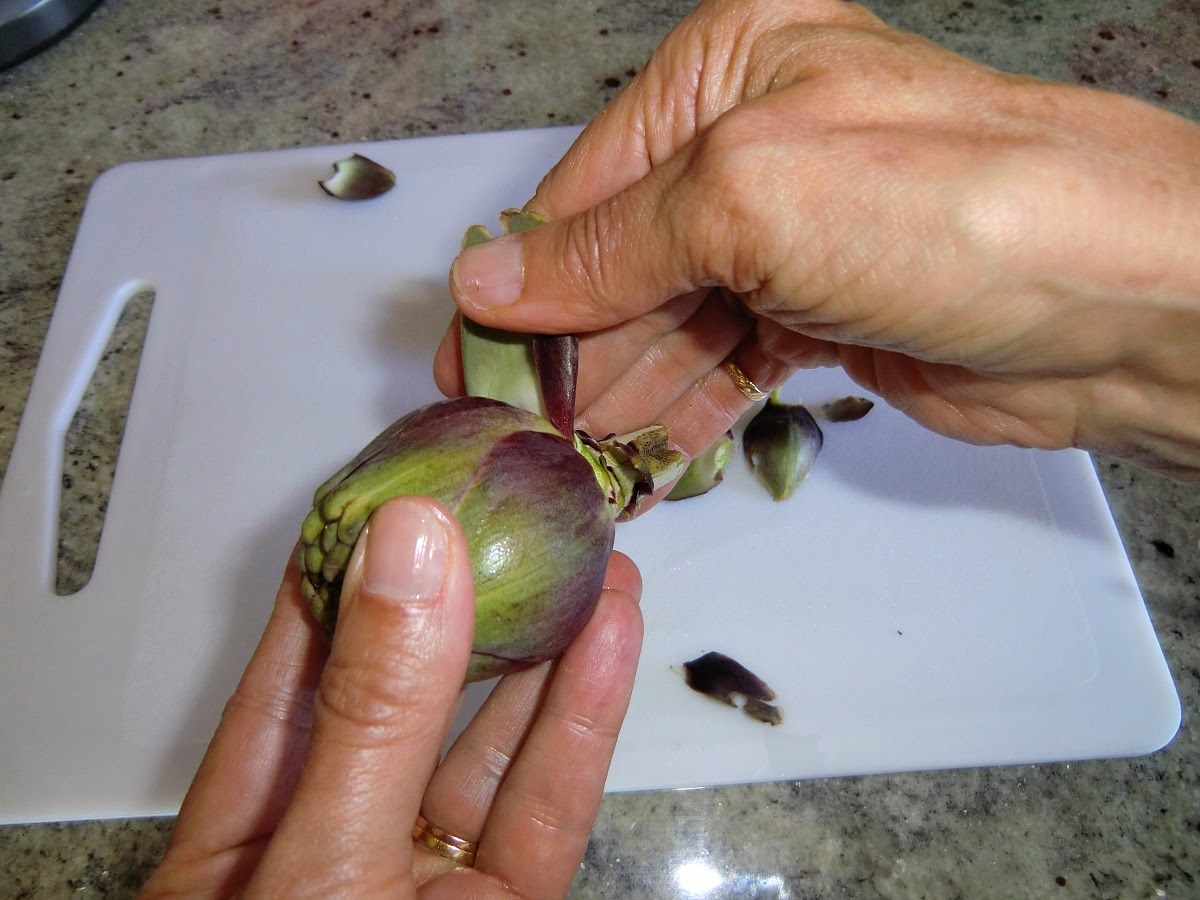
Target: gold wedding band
[(443, 843), (749, 389)]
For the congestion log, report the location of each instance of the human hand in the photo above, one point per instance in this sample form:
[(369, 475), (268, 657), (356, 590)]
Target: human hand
[(320, 766), (795, 183)]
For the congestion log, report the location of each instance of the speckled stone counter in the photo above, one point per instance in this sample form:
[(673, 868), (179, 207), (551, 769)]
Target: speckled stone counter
[(142, 79)]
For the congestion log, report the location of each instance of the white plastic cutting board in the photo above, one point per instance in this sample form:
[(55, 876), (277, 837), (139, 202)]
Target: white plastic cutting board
[(917, 604)]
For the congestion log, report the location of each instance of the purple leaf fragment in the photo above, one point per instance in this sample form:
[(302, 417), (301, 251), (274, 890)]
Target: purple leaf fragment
[(725, 679)]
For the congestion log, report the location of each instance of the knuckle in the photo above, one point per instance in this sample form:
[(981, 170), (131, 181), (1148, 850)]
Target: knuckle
[(587, 729), (489, 753), (365, 695), (547, 817), (551, 814), (722, 209), (293, 709), (595, 256)]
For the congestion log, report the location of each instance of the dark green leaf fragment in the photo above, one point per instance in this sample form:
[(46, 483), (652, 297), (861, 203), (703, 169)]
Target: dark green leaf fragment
[(358, 178), (847, 409), (725, 679), (476, 234)]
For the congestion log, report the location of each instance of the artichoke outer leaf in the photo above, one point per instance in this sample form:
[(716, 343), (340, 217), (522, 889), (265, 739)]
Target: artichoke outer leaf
[(556, 362), (500, 365), (724, 679), (847, 409)]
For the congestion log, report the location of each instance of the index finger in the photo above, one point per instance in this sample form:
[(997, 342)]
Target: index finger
[(249, 770)]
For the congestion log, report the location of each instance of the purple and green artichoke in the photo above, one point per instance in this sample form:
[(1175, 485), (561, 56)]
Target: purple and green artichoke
[(537, 501), (539, 529)]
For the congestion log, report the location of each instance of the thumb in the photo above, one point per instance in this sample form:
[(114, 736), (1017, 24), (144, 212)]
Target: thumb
[(610, 263), (385, 702)]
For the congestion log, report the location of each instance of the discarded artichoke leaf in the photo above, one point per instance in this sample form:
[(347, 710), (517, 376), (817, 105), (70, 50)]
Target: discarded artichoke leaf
[(847, 409), (764, 712), (725, 679), (704, 472), (781, 444), (358, 178)]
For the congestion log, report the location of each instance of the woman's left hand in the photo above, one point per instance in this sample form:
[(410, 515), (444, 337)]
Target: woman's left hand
[(325, 756)]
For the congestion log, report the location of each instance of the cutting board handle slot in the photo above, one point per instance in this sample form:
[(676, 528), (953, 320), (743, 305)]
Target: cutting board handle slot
[(91, 442)]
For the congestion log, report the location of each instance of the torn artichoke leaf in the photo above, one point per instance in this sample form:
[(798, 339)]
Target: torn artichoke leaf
[(500, 365), (763, 712), (704, 472), (631, 467), (725, 679), (358, 178), (847, 409)]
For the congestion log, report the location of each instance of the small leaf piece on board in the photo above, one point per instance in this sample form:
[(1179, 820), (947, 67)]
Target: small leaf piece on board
[(358, 178), (723, 678)]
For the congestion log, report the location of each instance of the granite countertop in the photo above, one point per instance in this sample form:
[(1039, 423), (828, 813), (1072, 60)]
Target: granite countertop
[(141, 79)]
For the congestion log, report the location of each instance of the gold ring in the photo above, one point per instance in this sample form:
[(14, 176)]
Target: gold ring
[(749, 389), (443, 843)]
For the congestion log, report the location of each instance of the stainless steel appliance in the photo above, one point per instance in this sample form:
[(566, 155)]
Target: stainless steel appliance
[(27, 26)]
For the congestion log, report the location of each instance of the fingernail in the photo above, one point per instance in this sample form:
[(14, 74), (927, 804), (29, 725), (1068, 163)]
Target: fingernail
[(490, 274), (405, 555)]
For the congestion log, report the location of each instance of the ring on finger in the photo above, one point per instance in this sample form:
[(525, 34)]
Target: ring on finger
[(443, 843), (741, 380)]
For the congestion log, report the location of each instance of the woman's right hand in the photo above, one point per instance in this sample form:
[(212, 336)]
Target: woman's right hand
[(795, 183)]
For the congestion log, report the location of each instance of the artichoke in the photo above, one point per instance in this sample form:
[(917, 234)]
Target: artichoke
[(539, 528), (538, 502)]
